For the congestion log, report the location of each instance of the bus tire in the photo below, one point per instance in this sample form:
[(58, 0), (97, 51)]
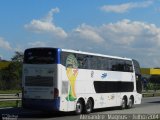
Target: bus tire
[(124, 103), (89, 106), (131, 103), (79, 107)]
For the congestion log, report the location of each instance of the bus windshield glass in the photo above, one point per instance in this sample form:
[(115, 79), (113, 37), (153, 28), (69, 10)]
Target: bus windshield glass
[(40, 56)]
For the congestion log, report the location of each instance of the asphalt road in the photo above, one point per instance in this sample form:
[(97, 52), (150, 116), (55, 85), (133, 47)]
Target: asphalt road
[(149, 106)]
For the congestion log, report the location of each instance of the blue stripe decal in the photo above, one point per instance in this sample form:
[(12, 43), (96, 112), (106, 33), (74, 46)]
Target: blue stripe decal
[(58, 56)]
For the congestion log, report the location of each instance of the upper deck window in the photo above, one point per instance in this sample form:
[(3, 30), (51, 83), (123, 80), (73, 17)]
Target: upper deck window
[(85, 61)]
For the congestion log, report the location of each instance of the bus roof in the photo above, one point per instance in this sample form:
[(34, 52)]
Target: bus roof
[(94, 54), (82, 52)]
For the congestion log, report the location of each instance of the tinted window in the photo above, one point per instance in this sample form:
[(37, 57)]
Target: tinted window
[(103, 63), (128, 66), (98, 63), (120, 65), (113, 86), (112, 65), (83, 61), (138, 76), (65, 56), (92, 60), (136, 67), (40, 56)]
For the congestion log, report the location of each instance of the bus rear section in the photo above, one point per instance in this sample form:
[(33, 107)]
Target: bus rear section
[(40, 89)]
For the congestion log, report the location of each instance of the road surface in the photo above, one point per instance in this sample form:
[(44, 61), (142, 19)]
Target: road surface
[(150, 105)]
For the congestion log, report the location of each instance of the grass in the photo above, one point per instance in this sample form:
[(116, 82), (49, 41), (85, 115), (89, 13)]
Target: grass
[(10, 104), (151, 93), (9, 91)]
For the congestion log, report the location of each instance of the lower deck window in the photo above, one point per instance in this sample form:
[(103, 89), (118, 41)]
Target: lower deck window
[(113, 86)]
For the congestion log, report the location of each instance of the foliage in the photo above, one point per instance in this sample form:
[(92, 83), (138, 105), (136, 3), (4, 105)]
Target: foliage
[(155, 79), (18, 57), (151, 83), (154, 82), (10, 76), (4, 64), (10, 91), (10, 104)]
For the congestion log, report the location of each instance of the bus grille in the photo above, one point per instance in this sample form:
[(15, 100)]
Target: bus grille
[(38, 81)]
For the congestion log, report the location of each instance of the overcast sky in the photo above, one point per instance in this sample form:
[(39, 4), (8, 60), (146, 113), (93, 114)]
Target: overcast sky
[(126, 28)]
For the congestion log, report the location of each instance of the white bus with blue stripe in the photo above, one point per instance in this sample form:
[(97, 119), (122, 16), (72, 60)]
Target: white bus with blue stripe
[(57, 79)]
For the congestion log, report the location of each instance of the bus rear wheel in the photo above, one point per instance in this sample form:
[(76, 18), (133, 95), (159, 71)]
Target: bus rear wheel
[(124, 103), (79, 107), (89, 106)]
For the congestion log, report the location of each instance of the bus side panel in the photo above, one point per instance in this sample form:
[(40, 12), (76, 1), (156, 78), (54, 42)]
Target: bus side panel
[(84, 88)]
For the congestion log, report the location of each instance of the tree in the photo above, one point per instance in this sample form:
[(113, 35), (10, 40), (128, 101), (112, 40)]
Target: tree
[(18, 57), (155, 80), (10, 77)]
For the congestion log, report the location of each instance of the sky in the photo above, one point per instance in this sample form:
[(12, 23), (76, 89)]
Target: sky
[(125, 28)]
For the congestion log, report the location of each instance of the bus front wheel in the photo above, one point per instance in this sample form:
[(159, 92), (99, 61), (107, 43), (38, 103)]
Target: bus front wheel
[(131, 103)]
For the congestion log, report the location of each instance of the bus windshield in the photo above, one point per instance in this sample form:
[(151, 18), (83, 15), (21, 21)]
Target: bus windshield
[(40, 56)]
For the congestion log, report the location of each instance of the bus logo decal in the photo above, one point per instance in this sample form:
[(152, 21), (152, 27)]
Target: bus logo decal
[(72, 73), (111, 97), (104, 75)]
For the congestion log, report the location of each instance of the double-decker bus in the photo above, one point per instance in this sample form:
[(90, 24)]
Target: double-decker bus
[(57, 79)]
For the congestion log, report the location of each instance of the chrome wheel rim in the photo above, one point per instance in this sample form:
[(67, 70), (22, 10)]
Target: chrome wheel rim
[(78, 107), (89, 106), (123, 104)]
